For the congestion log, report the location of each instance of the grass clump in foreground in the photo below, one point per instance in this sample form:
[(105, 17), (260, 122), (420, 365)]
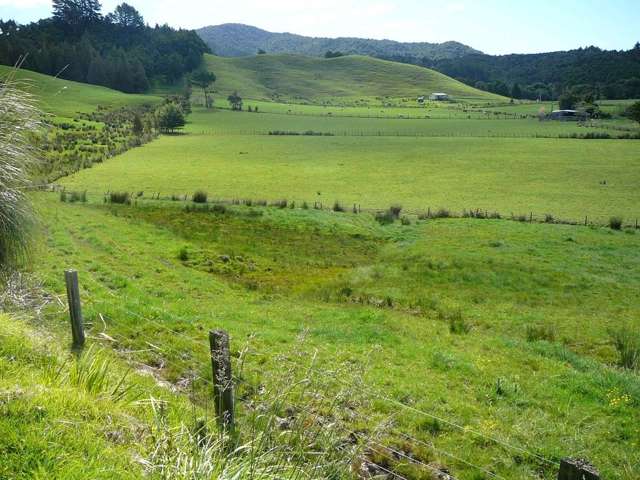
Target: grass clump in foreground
[(63, 416), (19, 119), (627, 343)]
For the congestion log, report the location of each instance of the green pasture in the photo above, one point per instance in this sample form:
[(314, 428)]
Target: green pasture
[(499, 327), (64, 98), (564, 178), (221, 122), (348, 80)]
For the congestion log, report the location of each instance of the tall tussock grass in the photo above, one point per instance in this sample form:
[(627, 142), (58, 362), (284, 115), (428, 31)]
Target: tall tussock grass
[(290, 427), (19, 119), (626, 341)]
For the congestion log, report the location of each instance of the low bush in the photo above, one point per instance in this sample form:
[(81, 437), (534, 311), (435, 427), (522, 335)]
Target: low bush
[(615, 223), (384, 218), (405, 220), (183, 254), (441, 213), (280, 203), (73, 197), (123, 198), (395, 210), (200, 196), (338, 207)]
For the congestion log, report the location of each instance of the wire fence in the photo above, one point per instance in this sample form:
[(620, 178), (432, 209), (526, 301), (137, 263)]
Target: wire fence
[(192, 356), (524, 216)]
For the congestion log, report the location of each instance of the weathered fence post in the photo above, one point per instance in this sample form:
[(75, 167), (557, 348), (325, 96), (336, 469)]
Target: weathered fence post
[(572, 469), (75, 308), (222, 379)]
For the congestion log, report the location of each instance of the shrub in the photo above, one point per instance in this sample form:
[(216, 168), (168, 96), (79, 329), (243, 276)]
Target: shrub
[(120, 197), (441, 213), (200, 196), (183, 254), (337, 207), (615, 223), (384, 218), (305, 206), (395, 211), (549, 218), (405, 220), (280, 203), (219, 209), (627, 343)]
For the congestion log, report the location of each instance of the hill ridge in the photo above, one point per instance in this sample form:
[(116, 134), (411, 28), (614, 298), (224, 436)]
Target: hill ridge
[(237, 39)]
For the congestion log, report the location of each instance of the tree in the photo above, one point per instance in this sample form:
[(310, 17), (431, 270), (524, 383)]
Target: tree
[(235, 101), (261, 52), (516, 91), (331, 54), (137, 127), (76, 15), (567, 101), (126, 16), (170, 118), (203, 79), (633, 112)]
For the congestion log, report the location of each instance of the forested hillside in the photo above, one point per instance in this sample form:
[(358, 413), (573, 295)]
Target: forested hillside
[(116, 50), (234, 40), (606, 74)]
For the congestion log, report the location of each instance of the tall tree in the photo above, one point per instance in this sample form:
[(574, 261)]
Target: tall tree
[(633, 112), (76, 15), (202, 78), (170, 118), (235, 101), (126, 16)]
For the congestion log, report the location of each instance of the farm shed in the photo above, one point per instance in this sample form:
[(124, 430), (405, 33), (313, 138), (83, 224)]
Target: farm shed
[(439, 97), (567, 115)]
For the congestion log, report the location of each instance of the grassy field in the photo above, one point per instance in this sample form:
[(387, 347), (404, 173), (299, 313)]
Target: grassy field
[(560, 177), (346, 80), (485, 347), (64, 98), (498, 327)]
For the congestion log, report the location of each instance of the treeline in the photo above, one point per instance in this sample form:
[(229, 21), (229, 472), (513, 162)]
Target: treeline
[(117, 50), (605, 74)]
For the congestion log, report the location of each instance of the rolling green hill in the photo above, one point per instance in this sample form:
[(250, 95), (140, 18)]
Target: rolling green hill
[(65, 98), (306, 79)]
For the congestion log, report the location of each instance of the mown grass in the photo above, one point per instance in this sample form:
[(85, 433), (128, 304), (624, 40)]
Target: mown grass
[(434, 314)]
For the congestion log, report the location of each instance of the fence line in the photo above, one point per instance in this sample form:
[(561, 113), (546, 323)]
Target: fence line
[(428, 213), (225, 413)]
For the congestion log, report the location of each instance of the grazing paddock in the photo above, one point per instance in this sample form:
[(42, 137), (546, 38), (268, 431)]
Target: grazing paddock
[(564, 178)]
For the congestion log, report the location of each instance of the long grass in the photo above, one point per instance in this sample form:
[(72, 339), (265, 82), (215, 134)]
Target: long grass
[(19, 118)]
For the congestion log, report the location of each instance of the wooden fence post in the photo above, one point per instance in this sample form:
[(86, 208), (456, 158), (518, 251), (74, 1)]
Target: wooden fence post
[(222, 379), (571, 469), (75, 308)]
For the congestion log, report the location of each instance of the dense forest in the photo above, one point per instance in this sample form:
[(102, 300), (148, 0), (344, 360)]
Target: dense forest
[(116, 50), (234, 40), (601, 73)]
